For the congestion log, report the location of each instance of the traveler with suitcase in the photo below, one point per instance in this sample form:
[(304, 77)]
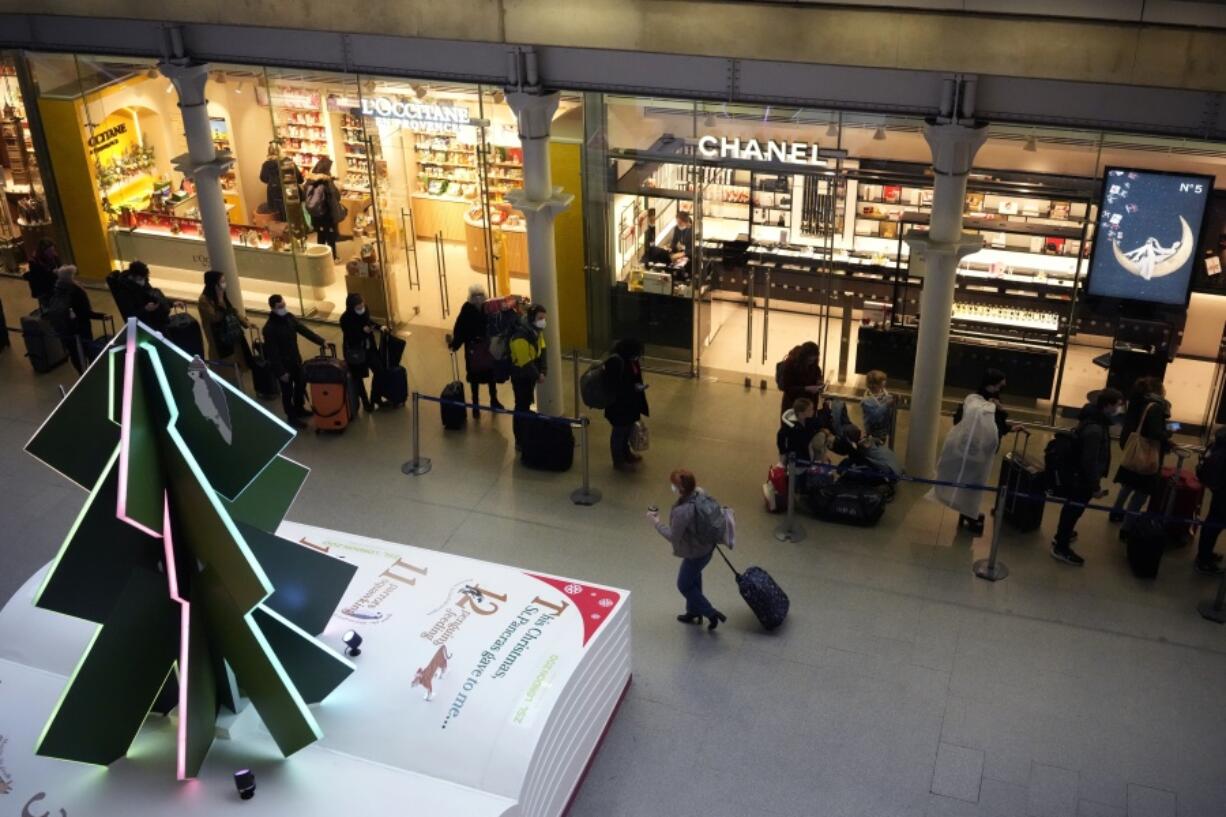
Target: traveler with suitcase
[(695, 526), (1212, 473), (1084, 461), (225, 331), (360, 342), (136, 298), (1144, 438), (281, 351), (966, 458), (71, 315), (624, 377), (528, 364), (471, 332)]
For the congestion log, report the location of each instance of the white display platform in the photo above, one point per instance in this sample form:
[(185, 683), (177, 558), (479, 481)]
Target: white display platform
[(510, 729)]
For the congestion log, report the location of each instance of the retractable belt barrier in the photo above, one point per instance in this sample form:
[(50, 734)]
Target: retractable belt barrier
[(991, 568), (585, 494)]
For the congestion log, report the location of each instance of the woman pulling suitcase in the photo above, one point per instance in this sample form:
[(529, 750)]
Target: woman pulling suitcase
[(687, 541)]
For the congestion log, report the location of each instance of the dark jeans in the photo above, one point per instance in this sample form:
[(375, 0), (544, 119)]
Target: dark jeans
[(525, 396), (1070, 512), (1209, 533), (293, 391), (75, 346), (359, 384), (1129, 498), (619, 443), (689, 582), (476, 390), (327, 234)]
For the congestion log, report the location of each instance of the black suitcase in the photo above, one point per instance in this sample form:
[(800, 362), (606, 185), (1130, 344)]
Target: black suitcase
[(262, 378), (1146, 541), (393, 385), (43, 344), (547, 444), (1025, 485), (184, 331), (454, 417), (851, 503), (763, 595)]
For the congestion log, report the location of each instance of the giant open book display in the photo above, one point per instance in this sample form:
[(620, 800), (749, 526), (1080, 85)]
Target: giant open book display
[(186, 631)]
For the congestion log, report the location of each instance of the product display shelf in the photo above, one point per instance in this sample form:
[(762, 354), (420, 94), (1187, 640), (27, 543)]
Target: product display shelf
[(354, 152), (302, 127)]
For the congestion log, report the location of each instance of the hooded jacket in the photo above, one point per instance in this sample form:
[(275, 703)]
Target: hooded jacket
[(795, 435), (527, 352), (1094, 446), (623, 376)]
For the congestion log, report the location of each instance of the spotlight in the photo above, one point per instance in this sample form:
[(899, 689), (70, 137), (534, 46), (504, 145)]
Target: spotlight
[(709, 121), (244, 781), (1032, 144), (421, 91), (832, 130), (219, 77), (152, 73), (170, 86), (352, 642), (879, 134)]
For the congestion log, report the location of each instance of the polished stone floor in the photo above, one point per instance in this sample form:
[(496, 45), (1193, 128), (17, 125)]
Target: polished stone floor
[(901, 685)]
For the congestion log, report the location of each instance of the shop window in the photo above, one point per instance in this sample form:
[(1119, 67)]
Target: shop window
[(25, 215)]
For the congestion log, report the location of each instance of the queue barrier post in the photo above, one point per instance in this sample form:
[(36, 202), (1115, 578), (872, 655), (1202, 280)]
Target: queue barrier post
[(418, 465), (991, 568), (1215, 610), (574, 359), (585, 494), (790, 530)]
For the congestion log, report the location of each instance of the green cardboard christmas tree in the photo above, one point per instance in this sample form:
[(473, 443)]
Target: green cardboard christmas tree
[(175, 557)]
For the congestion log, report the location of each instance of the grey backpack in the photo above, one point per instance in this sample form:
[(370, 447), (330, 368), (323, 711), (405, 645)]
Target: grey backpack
[(710, 524)]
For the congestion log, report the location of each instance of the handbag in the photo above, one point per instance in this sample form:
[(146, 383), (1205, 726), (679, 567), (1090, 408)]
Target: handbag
[(1140, 452), (355, 355), (640, 437)]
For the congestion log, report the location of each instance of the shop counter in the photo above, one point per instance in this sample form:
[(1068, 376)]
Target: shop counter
[(312, 269), (439, 214), (655, 319), (515, 246), (1031, 369)]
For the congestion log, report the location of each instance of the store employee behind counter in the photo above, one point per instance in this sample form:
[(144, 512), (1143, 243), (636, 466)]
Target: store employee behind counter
[(681, 246)]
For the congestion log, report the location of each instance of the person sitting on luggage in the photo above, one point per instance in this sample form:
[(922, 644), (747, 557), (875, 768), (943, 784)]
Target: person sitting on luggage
[(142, 301), (877, 406), (472, 332), (1212, 474), (224, 329), (624, 377), (1147, 402), (359, 340), (1092, 454), (285, 360), (528, 363), (800, 375), (680, 532), (70, 315), (41, 276), (797, 427)]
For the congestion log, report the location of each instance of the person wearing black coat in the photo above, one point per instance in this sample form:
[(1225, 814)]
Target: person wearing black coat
[(41, 275), (71, 314), (470, 331), (285, 360), (270, 175), (1212, 474), (800, 375), (137, 298), (624, 378), (1136, 488), (1093, 453), (360, 338)]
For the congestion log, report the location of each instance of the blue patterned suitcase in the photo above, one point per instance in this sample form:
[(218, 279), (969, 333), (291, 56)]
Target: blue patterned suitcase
[(763, 595)]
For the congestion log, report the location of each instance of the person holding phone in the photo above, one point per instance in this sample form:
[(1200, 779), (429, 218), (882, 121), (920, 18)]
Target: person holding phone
[(624, 379)]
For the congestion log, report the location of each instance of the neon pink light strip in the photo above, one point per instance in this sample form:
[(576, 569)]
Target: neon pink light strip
[(125, 430), (185, 617)]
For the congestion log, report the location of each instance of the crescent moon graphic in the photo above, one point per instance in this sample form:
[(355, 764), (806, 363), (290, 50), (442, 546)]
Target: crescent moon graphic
[(1166, 267)]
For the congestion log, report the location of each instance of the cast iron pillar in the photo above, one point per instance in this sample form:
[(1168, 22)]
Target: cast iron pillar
[(204, 165), (953, 146)]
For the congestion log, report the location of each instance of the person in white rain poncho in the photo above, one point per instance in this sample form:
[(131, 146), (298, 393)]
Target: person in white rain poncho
[(966, 458)]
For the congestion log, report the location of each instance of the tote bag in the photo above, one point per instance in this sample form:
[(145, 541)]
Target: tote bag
[(1141, 453)]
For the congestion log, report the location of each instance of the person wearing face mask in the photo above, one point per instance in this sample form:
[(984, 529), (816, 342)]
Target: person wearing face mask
[(991, 385), (624, 377), (471, 332), (687, 545), (224, 328), (360, 335), (1091, 456), (285, 360), (528, 362), (136, 298)]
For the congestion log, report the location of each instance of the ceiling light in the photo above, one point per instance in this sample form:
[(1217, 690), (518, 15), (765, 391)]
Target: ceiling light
[(709, 121), (1032, 145), (220, 77), (421, 91), (879, 134), (152, 73), (238, 89), (170, 86), (832, 129)]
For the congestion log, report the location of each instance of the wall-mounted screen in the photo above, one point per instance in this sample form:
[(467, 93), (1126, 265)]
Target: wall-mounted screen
[(1147, 235)]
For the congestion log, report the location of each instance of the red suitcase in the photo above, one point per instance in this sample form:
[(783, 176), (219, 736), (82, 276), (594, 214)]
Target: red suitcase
[(1186, 502)]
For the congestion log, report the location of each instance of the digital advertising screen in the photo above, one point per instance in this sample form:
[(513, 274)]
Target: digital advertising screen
[(1145, 245)]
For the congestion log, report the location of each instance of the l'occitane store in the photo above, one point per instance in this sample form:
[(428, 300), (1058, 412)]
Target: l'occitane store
[(423, 170)]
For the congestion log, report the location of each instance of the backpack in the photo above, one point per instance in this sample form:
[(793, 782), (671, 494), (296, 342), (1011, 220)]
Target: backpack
[(1060, 460), (499, 326), (782, 366), (317, 200), (710, 524), (594, 387)]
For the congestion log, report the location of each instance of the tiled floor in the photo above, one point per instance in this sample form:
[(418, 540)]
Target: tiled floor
[(901, 685)]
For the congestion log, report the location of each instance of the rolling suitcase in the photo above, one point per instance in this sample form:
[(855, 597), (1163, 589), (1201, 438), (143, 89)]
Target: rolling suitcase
[(548, 444), (391, 382), (332, 397), (1025, 485), (454, 416), (763, 595), (262, 378), (43, 344), (1179, 494), (184, 331), (1148, 537)]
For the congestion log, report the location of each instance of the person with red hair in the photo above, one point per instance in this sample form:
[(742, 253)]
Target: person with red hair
[(694, 554)]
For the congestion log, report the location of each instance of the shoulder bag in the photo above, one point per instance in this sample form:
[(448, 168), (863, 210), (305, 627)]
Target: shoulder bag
[(1141, 454)]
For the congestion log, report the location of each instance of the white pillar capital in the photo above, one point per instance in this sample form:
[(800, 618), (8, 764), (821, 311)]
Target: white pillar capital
[(548, 208), (923, 245), (533, 112), (954, 145), (189, 79), (185, 164)]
